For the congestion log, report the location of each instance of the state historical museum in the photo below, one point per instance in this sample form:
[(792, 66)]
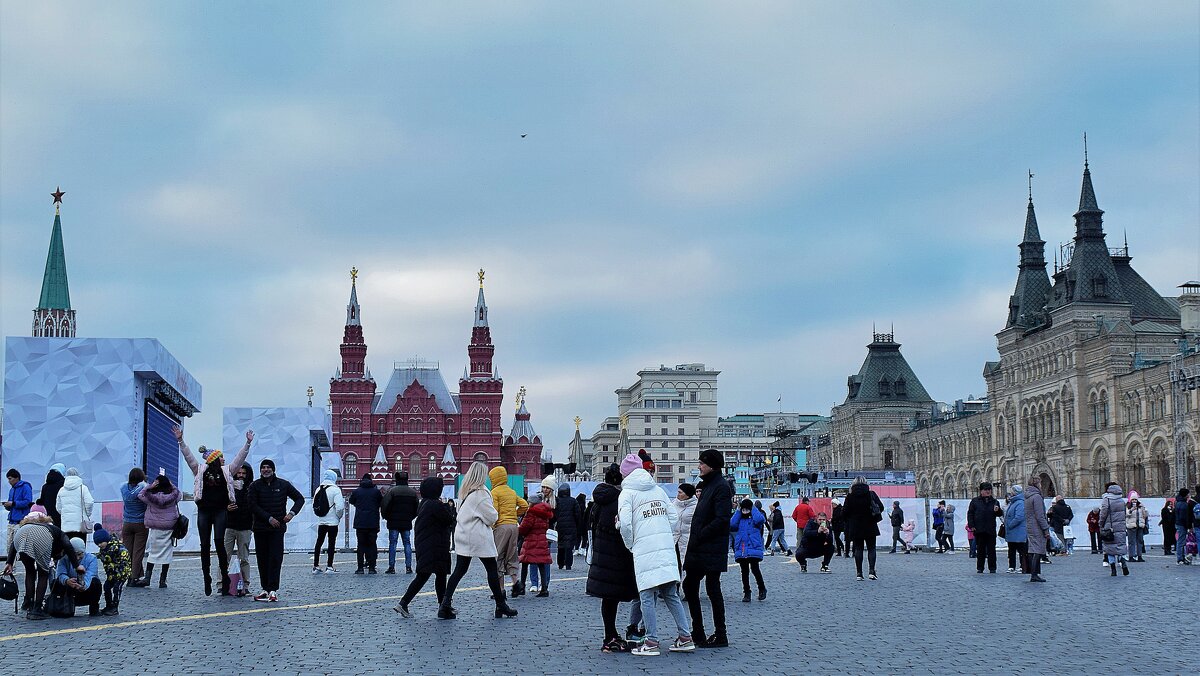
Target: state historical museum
[(416, 424)]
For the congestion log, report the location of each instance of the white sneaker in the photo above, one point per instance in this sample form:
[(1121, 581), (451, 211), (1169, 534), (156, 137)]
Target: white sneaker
[(316, 571), (646, 650), (533, 590), (1012, 570), (330, 570)]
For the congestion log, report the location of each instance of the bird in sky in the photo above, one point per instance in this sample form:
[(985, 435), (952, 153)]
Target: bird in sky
[(524, 135)]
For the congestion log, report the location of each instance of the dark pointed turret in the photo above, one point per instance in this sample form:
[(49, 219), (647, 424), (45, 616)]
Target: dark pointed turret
[(54, 317), (1091, 276), (885, 375), (1027, 306)]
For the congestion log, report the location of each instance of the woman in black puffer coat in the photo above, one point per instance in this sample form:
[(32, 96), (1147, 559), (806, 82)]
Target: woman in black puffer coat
[(569, 520), (863, 510), (431, 541), (610, 575)]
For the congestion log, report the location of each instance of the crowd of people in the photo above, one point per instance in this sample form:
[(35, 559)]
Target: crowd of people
[(642, 546)]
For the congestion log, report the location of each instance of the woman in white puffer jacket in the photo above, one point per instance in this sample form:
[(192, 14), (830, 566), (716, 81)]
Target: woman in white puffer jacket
[(74, 503), (647, 520)]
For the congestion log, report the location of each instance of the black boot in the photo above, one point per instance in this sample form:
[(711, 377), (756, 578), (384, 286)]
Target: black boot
[(1113, 568), (717, 640), (207, 583), (505, 610), (162, 577), (445, 612), (1124, 568)]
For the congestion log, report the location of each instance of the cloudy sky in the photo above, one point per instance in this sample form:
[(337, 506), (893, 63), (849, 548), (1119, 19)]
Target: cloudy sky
[(748, 185)]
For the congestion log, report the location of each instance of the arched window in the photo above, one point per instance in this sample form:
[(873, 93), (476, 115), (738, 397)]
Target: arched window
[(416, 425), (381, 425), (414, 466), (398, 426), (350, 466), (449, 425), (480, 457)]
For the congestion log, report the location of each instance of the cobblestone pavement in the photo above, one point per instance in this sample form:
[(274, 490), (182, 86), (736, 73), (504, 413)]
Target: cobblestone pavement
[(927, 614)]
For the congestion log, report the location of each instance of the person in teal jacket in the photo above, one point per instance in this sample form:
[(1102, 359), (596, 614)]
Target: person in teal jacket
[(82, 579), (1015, 528), (746, 525)]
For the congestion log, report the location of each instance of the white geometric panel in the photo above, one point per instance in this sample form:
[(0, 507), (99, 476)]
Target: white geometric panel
[(79, 401)]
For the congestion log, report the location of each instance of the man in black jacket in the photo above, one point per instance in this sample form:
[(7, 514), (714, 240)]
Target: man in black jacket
[(897, 516), (707, 553), (399, 508), (981, 516), (268, 502)]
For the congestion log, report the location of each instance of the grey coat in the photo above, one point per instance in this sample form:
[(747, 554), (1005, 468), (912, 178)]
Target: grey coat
[(1112, 515), (1037, 528), (948, 520)]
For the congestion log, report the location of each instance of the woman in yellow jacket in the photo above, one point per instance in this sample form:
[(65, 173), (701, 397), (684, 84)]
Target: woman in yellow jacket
[(509, 507)]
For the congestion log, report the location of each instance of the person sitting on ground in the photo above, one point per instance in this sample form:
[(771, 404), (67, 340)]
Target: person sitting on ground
[(818, 543), (81, 576), (117, 566)]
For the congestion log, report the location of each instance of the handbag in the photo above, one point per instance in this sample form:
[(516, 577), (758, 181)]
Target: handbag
[(60, 602), (551, 535), (86, 525), (1107, 535), (180, 530), (9, 589)]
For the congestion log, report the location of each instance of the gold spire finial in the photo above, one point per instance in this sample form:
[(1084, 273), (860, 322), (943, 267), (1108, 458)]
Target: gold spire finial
[(578, 420), (520, 397), (480, 275), (353, 275)]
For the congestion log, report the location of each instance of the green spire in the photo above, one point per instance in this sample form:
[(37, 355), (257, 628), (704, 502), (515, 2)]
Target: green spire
[(55, 294)]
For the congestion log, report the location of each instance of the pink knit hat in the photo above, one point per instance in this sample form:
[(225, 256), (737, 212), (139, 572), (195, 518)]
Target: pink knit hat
[(37, 509), (630, 463), (1133, 495)]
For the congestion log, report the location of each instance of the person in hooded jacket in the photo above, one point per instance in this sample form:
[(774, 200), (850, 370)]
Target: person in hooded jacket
[(611, 576), (746, 525), (568, 516), (1137, 520), (948, 528), (431, 541), (706, 556), (1167, 522), (1112, 518), (647, 522), (74, 504), (366, 500), (474, 538), (399, 508), (685, 505), (1037, 528), (1015, 532), (328, 523), (509, 507), (535, 547), (48, 496), (863, 510)]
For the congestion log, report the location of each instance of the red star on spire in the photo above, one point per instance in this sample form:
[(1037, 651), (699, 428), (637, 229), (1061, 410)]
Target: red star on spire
[(57, 195)]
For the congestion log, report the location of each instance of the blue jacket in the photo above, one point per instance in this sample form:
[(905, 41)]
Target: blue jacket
[(21, 495), (938, 517), (134, 510), (65, 569), (747, 534), (1014, 519)]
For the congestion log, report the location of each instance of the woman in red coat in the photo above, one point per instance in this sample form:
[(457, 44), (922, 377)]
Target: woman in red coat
[(536, 548)]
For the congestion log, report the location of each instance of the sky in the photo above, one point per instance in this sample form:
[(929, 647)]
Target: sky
[(748, 185)]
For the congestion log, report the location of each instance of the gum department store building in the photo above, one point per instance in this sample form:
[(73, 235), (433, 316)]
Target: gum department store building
[(1082, 393)]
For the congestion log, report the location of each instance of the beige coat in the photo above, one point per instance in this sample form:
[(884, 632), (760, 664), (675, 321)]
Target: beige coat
[(473, 535)]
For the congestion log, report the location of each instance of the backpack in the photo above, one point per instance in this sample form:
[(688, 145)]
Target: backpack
[(1196, 514), (321, 502)]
